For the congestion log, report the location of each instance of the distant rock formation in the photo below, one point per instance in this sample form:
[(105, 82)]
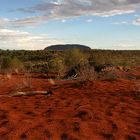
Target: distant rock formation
[(67, 46)]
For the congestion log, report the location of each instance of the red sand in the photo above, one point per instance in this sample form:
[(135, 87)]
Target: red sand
[(98, 110)]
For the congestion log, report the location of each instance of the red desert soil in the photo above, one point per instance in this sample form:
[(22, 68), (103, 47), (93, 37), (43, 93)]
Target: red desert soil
[(93, 110)]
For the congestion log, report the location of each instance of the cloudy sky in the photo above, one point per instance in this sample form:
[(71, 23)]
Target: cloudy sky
[(100, 24)]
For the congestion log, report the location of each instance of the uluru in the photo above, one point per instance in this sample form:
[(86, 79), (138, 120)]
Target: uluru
[(62, 47)]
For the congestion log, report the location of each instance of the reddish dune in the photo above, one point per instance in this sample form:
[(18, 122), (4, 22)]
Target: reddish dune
[(98, 110)]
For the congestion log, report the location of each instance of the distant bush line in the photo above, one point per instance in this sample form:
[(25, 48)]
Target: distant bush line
[(58, 61)]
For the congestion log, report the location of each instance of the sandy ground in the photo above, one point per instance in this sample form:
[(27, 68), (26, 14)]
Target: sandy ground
[(93, 110)]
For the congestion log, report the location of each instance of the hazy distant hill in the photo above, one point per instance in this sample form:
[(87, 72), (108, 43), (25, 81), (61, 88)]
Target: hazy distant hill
[(66, 46)]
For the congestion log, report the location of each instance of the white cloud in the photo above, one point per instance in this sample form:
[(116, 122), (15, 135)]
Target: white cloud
[(13, 39), (89, 20), (127, 45), (63, 9), (113, 13), (120, 23), (24, 22), (63, 20), (4, 21), (136, 22)]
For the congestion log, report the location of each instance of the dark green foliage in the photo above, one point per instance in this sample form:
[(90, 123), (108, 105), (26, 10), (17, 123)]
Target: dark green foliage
[(16, 64), (9, 64), (6, 63), (74, 57), (57, 64), (41, 61), (114, 58)]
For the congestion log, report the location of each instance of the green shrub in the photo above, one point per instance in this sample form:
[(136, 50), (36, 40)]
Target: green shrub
[(57, 65), (9, 64), (6, 64), (87, 72), (75, 57), (16, 65)]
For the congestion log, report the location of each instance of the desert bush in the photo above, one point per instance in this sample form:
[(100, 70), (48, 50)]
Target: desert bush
[(78, 66), (57, 65), (6, 64), (75, 57), (82, 72), (108, 75), (16, 65), (9, 65), (87, 72), (98, 58)]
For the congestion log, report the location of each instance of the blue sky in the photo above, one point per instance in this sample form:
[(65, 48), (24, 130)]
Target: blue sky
[(35, 24)]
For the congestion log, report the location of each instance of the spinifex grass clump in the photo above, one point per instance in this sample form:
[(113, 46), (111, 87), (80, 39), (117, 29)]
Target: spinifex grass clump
[(77, 65), (11, 65), (75, 57), (57, 65)]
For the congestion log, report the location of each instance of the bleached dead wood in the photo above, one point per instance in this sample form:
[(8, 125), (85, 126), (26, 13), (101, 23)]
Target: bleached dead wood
[(28, 93)]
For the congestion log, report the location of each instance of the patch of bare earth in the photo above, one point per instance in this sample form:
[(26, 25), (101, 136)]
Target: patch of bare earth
[(97, 110)]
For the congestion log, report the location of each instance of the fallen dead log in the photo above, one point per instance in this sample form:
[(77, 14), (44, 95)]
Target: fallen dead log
[(30, 93)]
